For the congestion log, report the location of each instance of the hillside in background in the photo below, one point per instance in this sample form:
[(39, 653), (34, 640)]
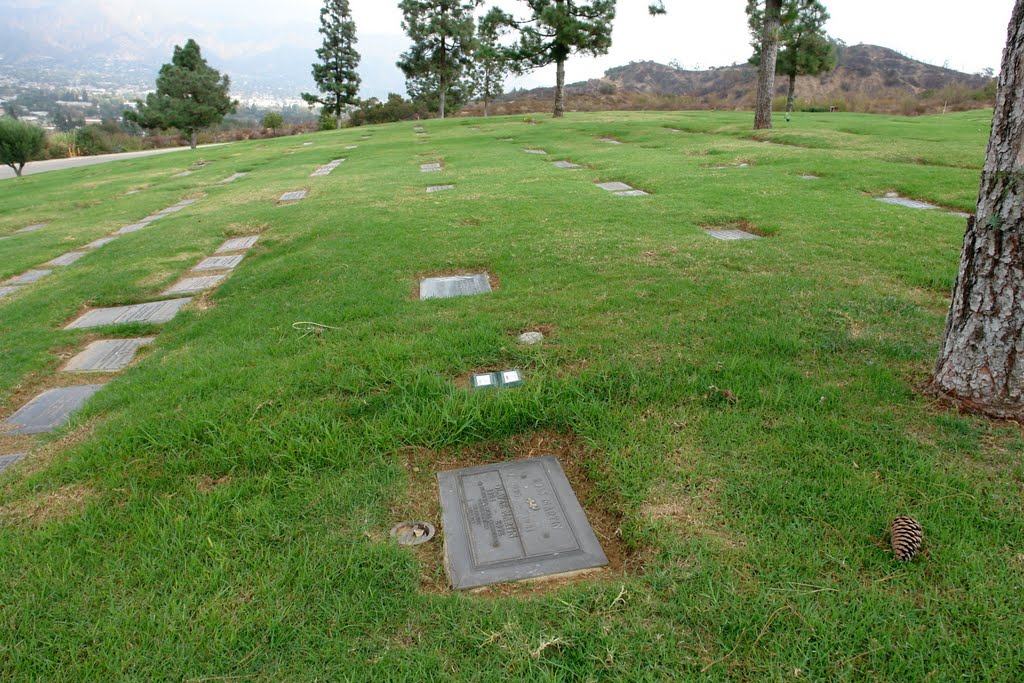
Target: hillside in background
[(868, 78)]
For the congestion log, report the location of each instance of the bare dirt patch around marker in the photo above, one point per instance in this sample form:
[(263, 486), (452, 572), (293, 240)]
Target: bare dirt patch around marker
[(582, 467)]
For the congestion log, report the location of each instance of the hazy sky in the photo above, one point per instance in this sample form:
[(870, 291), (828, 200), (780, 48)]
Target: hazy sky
[(696, 33)]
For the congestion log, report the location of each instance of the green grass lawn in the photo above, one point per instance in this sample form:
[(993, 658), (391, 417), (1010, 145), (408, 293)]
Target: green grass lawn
[(740, 419)]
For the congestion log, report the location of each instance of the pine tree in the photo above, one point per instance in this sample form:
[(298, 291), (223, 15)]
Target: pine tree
[(492, 61), (558, 28), (190, 95), (442, 48), (335, 74), (769, 50), (981, 362), (805, 49)]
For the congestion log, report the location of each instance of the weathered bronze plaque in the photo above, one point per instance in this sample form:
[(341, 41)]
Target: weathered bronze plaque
[(514, 521)]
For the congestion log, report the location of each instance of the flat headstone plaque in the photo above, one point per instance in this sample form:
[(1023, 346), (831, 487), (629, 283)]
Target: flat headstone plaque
[(440, 188), (49, 410), (808, 176), (109, 355), (296, 196), (103, 241), (31, 228), (28, 277), (156, 312), (233, 177), (191, 285), (534, 151), (631, 193), (611, 141), (453, 286), (67, 259), (134, 227), (352, 147), (7, 291), (183, 174), (908, 203), (307, 144), (731, 234), (514, 521), (220, 262), (430, 168), (565, 164), (615, 187), (238, 244), (507, 379), (8, 460)]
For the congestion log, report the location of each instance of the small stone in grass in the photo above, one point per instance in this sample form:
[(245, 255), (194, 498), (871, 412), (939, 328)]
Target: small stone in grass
[(530, 338)]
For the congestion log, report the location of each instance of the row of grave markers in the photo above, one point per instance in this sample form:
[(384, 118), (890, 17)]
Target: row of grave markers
[(53, 408), (16, 283)]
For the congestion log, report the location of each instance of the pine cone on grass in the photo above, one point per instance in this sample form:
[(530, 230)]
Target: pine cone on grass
[(906, 536)]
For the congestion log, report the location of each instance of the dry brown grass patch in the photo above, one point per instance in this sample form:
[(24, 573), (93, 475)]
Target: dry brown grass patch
[(54, 506), (691, 514)]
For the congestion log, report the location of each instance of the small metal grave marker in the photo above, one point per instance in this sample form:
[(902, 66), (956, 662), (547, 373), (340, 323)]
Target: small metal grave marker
[(31, 228), (232, 178), (28, 277), (296, 196), (50, 409), (498, 380), (220, 262), (8, 460), (430, 168), (7, 291), (908, 203), (534, 151), (238, 244), (514, 521), (440, 188), (191, 285), (413, 533), (615, 187), (109, 355), (156, 312), (730, 234), (565, 164), (66, 259), (103, 241), (453, 286)]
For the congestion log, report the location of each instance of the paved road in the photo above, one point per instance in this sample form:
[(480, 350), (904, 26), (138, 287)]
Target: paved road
[(61, 164)]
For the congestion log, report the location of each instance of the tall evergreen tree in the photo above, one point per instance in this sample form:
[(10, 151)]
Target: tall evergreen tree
[(335, 74), (442, 50), (981, 362), (492, 61), (804, 49), (558, 28), (190, 95), (769, 51)]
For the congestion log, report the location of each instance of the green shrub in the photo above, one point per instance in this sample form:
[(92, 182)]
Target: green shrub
[(273, 120), (19, 143)]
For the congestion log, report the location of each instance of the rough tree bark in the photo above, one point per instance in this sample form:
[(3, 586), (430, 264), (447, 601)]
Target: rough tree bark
[(791, 98), (769, 57), (560, 90), (981, 362), (194, 138)]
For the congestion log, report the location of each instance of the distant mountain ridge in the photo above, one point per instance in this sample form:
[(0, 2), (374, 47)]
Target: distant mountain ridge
[(867, 71)]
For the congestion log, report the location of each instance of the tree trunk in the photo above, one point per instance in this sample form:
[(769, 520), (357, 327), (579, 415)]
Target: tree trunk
[(443, 96), (769, 56), (560, 90), (194, 140), (18, 170), (791, 98), (981, 362), (485, 107)]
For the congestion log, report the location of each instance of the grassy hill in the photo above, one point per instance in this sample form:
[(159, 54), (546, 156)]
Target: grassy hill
[(740, 419)]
